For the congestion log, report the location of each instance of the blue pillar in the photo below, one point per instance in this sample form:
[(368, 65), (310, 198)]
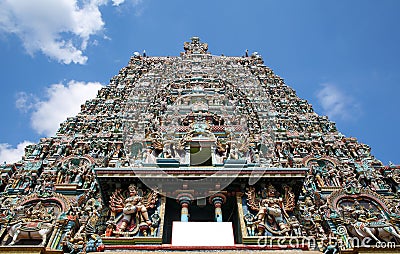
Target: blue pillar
[(217, 201), (184, 201), (185, 211), (218, 212)]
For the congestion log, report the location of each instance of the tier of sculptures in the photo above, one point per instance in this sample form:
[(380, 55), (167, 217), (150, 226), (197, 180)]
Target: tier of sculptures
[(154, 109)]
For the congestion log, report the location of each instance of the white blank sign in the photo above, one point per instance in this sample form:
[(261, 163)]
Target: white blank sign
[(202, 234)]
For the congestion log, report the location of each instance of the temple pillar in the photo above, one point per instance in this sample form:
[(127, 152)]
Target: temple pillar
[(184, 200), (184, 211), (217, 200)]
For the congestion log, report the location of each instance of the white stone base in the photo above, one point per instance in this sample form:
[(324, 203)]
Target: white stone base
[(202, 234)]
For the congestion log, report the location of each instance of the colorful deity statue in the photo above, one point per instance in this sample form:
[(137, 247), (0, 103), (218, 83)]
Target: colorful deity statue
[(272, 215), (32, 222), (129, 211), (362, 223)]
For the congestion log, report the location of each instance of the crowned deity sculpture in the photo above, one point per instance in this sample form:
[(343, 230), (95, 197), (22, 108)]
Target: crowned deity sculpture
[(129, 210), (271, 213)]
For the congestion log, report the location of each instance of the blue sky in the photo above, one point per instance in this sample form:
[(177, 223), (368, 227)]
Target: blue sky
[(342, 56)]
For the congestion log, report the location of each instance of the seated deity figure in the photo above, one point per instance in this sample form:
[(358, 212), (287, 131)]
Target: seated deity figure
[(181, 154), (149, 156), (233, 154), (220, 152)]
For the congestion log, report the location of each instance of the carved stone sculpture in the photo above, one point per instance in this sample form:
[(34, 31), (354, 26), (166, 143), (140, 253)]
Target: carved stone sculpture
[(129, 211)]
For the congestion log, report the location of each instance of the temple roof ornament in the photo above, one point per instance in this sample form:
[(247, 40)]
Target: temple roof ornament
[(195, 46)]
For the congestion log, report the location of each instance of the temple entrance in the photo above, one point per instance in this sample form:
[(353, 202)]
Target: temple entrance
[(201, 214)]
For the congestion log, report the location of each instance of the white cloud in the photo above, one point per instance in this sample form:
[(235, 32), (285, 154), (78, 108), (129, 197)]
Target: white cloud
[(133, 2), (139, 8), (59, 29), (25, 101), (118, 2), (60, 101), (10, 154), (337, 104)]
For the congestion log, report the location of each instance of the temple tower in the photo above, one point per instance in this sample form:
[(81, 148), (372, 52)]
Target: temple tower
[(213, 148)]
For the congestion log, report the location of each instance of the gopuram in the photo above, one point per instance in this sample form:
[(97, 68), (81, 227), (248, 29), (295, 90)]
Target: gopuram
[(196, 153)]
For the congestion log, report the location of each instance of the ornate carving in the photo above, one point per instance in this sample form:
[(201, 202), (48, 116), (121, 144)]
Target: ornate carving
[(195, 46), (271, 211), (364, 214), (157, 110), (34, 217), (129, 212)]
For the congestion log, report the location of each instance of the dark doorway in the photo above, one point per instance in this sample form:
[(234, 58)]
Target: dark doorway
[(201, 214), (172, 213)]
